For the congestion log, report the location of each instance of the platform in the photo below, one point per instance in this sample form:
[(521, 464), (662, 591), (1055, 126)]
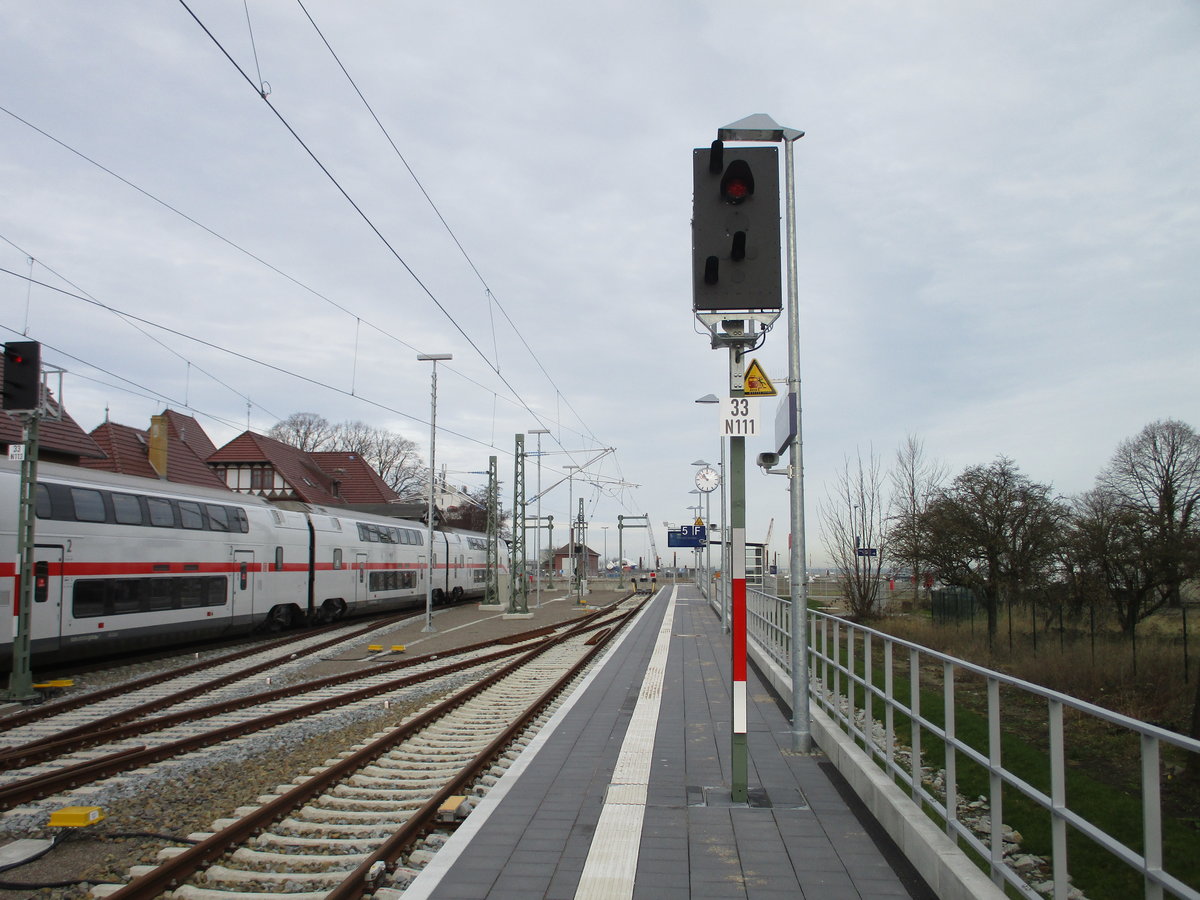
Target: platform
[(626, 792)]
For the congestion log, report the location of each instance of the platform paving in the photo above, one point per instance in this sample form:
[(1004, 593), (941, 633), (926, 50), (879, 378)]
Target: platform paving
[(801, 834)]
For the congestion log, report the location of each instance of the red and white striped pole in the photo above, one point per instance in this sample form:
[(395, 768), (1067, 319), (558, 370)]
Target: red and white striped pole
[(737, 564)]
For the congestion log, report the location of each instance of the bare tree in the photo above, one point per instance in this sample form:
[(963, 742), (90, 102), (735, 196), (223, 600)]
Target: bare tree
[(305, 431), (915, 481), (854, 517), (393, 456), (1157, 476), (356, 437), (1114, 558), (399, 463), (995, 531)]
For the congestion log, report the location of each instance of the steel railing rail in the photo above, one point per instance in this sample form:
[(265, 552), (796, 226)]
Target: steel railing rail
[(842, 658)]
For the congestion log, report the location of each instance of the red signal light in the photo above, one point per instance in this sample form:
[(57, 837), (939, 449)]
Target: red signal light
[(738, 182)]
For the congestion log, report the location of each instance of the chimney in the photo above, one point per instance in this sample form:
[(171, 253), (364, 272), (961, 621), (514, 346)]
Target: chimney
[(158, 445)]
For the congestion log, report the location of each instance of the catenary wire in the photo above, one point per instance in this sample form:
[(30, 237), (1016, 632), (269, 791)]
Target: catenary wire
[(493, 299)]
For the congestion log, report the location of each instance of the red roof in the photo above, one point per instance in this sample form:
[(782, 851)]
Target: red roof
[(359, 482), (128, 452), (310, 476), (58, 441)]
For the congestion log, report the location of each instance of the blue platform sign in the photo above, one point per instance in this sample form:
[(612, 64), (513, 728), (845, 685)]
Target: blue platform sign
[(687, 536)]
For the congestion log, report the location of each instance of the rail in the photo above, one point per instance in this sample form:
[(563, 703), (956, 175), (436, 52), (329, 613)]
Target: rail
[(871, 685)]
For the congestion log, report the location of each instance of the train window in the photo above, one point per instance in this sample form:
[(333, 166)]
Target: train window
[(93, 598), (363, 534), (238, 517), (128, 509), (158, 594), (392, 581), (479, 576), (189, 514), (218, 517), (44, 508), (88, 599), (337, 559), (162, 514), (125, 599), (191, 593), (89, 505), (278, 559), (417, 537)]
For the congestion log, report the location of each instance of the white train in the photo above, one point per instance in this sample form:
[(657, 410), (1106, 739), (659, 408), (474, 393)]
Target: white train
[(125, 562)]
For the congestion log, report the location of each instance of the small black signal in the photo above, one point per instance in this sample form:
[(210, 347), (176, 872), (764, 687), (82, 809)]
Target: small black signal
[(22, 375)]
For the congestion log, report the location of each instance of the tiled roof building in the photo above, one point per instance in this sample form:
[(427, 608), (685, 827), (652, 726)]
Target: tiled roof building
[(173, 449), (59, 440), (256, 464)]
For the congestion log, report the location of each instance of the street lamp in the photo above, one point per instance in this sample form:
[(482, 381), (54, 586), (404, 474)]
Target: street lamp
[(434, 358), (604, 574), (713, 400), (761, 127), (537, 534), (707, 489)]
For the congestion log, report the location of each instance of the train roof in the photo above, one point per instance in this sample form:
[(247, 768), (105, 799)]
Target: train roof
[(113, 481)]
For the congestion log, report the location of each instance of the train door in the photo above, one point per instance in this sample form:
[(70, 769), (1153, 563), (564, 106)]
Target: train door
[(47, 596), (360, 580), (242, 595)]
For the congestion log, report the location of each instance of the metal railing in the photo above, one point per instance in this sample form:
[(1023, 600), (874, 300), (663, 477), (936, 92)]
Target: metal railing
[(854, 682)]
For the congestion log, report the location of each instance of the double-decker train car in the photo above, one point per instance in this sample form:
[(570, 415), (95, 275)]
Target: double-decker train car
[(125, 562)]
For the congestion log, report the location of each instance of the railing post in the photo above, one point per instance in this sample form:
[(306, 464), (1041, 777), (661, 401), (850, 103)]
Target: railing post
[(1151, 817), (951, 762), (996, 781), (914, 709), (889, 709), (1058, 800)]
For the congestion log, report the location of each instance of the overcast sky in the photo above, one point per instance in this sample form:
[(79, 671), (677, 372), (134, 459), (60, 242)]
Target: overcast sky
[(998, 226)]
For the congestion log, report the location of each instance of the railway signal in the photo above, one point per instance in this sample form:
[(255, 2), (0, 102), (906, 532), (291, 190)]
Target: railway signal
[(735, 229), (22, 375)]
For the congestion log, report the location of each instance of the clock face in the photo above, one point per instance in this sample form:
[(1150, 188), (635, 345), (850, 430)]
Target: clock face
[(707, 479)]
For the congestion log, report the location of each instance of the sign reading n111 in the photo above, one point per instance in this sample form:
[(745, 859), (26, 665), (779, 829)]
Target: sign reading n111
[(740, 417)]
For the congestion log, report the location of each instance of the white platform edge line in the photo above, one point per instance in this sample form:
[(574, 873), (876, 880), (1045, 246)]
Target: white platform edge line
[(611, 864), (431, 876)]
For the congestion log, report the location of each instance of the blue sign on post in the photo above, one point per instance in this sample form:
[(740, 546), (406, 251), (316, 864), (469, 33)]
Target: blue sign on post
[(688, 536)]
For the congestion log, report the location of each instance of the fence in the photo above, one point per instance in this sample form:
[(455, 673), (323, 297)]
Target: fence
[(898, 724)]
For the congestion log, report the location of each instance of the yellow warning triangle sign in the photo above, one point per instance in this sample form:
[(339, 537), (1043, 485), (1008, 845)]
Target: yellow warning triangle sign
[(756, 382)]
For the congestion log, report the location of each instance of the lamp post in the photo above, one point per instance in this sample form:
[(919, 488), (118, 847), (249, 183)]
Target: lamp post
[(434, 358), (707, 491), (604, 574), (699, 510), (761, 127), (712, 399), (537, 535)]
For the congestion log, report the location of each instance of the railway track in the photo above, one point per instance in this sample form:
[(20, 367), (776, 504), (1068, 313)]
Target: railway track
[(61, 756), (349, 829), (170, 684)]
